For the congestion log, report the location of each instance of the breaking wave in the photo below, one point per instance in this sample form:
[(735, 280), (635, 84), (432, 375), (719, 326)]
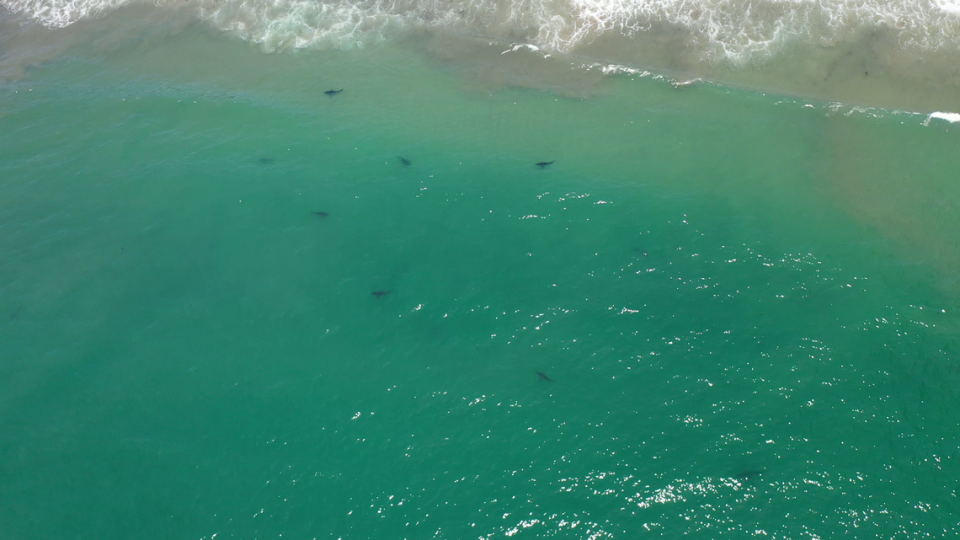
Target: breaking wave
[(734, 31)]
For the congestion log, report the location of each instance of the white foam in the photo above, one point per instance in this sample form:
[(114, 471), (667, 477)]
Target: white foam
[(519, 46), (286, 24), (61, 13), (949, 6), (613, 69), (948, 116), (732, 31)]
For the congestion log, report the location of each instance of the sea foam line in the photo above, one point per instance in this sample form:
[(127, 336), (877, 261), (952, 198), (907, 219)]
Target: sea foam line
[(721, 30)]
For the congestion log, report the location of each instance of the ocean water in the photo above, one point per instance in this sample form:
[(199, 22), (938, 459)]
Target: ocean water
[(897, 54), (718, 312)]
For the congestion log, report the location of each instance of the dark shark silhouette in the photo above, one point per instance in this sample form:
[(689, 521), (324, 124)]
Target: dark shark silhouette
[(404, 161), (747, 476), (332, 93), (321, 214), (379, 294), (543, 376), (543, 164), (265, 160)]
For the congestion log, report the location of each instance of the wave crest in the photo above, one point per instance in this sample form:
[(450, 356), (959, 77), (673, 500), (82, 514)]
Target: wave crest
[(734, 31)]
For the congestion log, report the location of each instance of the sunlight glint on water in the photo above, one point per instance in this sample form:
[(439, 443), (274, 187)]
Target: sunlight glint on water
[(715, 313)]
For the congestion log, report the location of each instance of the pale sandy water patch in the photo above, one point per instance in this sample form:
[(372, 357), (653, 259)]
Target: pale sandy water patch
[(887, 53)]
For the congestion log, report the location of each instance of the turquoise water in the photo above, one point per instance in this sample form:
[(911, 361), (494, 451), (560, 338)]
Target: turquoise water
[(742, 305)]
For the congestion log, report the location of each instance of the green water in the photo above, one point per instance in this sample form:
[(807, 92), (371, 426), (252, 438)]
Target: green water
[(745, 306)]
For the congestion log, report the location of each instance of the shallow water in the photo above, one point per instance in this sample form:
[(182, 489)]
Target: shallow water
[(894, 54), (744, 303)]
